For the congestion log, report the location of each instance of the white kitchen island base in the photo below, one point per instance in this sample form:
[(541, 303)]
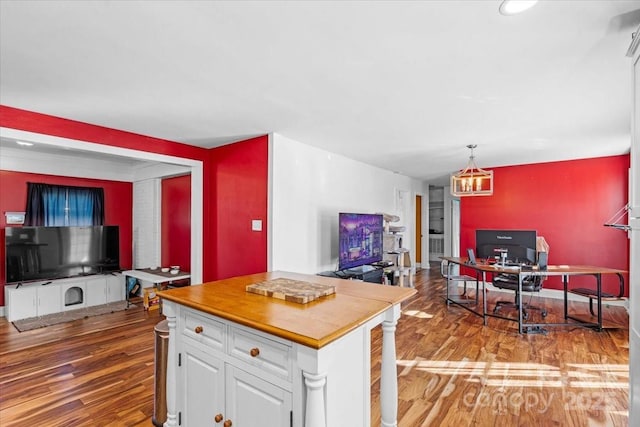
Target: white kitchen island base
[(243, 359)]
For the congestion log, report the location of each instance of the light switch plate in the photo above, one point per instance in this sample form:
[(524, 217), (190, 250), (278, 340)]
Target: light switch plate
[(256, 225)]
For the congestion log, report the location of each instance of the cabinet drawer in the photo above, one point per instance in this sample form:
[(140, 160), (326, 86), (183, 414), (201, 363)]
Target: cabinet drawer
[(203, 329), (267, 354)]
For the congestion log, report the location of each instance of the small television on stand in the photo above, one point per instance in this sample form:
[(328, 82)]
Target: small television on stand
[(360, 241)]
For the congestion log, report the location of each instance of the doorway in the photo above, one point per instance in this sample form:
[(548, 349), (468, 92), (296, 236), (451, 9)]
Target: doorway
[(418, 231)]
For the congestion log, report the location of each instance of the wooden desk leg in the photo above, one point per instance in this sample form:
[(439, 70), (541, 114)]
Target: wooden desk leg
[(565, 282), (484, 298), (520, 304), (599, 288), (389, 370)]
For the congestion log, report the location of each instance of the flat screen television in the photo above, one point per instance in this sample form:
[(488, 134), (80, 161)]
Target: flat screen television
[(519, 245), (360, 237), (46, 253)]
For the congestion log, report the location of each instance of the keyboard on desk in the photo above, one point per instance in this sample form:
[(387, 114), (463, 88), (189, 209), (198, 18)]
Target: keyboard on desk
[(514, 264)]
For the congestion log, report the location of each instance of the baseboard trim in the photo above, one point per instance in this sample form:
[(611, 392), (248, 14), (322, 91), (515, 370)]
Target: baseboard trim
[(2, 311)]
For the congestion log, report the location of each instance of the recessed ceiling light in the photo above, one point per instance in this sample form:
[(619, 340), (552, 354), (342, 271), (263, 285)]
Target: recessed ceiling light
[(513, 7), (24, 143)]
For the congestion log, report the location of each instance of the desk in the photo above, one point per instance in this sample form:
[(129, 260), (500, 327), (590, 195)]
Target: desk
[(553, 270), (302, 364), (156, 276)]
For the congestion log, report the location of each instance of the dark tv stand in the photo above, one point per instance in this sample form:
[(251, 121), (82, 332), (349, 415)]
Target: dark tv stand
[(366, 273)]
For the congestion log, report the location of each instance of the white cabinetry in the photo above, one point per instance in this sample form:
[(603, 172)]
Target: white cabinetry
[(255, 402), (214, 383), (49, 299), (38, 299), (249, 360), (203, 386), (104, 289), (97, 292), (21, 302), (32, 300), (115, 287)]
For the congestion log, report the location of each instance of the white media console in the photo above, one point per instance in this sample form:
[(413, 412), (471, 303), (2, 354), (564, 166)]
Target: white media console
[(55, 296)]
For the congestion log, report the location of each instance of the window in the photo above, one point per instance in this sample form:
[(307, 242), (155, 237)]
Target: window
[(60, 205)]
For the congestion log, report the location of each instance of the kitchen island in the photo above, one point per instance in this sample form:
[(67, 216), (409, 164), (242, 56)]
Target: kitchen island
[(243, 359)]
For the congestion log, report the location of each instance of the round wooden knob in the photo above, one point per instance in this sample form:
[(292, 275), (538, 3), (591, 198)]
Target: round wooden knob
[(198, 329), (254, 352), (218, 418), (227, 423)]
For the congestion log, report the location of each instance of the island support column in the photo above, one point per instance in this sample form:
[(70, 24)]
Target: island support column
[(389, 370), (315, 405)]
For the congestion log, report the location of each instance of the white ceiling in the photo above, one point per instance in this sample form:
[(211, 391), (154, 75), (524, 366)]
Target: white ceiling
[(401, 85)]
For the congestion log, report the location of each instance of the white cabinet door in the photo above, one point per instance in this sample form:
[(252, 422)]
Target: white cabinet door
[(255, 402), (21, 302), (115, 287), (96, 291), (203, 388), (49, 299)]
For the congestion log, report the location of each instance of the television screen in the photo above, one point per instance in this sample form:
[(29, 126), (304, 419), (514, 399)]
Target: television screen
[(519, 245), (360, 237), (45, 253)]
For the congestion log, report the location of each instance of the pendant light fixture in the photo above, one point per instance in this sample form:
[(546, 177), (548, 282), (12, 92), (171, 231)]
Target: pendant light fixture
[(472, 181)]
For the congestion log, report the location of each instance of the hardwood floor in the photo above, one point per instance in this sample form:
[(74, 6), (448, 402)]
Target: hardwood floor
[(452, 370)]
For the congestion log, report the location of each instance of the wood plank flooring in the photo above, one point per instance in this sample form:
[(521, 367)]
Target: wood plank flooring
[(452, 370)]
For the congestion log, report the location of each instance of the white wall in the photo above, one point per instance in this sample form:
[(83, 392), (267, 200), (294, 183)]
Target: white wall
[(309, 187)]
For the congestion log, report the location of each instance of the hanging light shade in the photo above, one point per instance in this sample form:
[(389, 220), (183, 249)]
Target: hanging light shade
[(472, 181)]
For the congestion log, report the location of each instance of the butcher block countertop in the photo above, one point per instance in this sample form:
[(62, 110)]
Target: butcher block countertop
[(313, 324)]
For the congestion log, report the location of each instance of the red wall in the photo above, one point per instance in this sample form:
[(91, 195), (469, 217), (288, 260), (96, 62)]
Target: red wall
[(49, 125), (241, 190), (176, 222), (567, 203), (118, 197), (229, 161)]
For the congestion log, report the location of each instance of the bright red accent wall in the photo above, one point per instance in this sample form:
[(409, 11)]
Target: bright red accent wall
[(566, 202), (118, 197), (240, 172), (241, 166), (176, 222)]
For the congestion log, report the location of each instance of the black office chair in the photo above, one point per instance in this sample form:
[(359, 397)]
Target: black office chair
[(529, 284)]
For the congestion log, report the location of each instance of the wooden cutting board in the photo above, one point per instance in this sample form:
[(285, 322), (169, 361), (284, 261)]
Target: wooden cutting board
[(291, 290)]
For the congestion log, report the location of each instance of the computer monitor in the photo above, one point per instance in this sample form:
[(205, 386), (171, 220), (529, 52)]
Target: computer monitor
[(518, 245)]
